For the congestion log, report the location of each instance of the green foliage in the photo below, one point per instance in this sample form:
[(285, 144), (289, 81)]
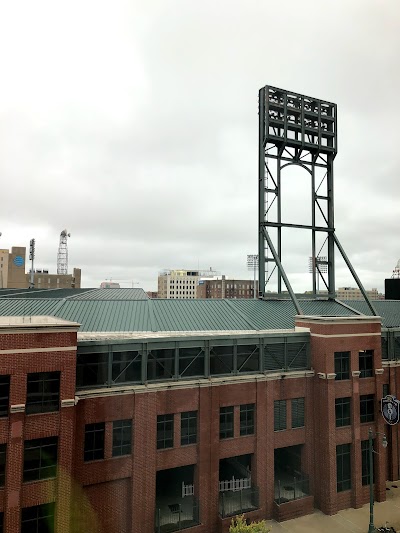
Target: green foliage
[(238, 525)]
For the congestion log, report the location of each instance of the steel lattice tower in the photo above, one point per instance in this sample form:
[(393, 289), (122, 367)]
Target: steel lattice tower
[(298, 130), (62, 255)]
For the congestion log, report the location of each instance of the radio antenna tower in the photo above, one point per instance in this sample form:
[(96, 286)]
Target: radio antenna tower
[(62, 255)]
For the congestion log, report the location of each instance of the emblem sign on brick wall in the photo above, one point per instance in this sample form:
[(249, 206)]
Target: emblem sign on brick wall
[(390, 409)]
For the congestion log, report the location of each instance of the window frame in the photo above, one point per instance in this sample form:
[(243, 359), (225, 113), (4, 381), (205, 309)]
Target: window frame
[(42, 400), (40, 448), (43, 513), (165, 426), (366, 363), (298, 409), (4, 394), (247, 419), (340, 360), (280, 415), (226, 422), (343, 463), (96, 432), (3, 461), (188, 436), (340, 406), (367, 400), (122, 429), (365, 461)]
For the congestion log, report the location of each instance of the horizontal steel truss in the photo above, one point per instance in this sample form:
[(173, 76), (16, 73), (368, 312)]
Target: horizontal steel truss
[(274, 156)]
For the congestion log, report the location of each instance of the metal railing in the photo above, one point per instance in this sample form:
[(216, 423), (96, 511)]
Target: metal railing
[(237, 502), (177, 516), (235, 485), (291, 489)]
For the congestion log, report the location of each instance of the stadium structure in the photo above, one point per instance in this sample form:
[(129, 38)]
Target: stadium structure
[(120, 413)]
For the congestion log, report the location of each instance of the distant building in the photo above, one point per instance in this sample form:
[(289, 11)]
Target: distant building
[(178, 284), (13, 273), (352, 293), (109, 285), (152, 294), (221, 287)]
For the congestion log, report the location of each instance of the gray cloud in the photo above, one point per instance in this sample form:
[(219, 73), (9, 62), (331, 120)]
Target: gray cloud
[(136, 128)]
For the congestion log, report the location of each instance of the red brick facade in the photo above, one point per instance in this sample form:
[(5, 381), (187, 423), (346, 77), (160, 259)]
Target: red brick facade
[(118, 494)]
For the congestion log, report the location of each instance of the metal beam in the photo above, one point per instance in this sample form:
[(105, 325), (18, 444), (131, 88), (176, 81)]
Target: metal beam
[(283, 273), (354, 274)]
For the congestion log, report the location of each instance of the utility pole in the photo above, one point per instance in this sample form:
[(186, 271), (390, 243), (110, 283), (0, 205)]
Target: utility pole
[(32, 258)]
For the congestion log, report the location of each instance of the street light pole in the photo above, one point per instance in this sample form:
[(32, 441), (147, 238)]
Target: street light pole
[(371, 528)]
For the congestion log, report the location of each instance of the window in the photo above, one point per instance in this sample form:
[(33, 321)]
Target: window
[(1, 515), (342, 365), (165, 431), (40, 458), (94, 441), (248, 358), (38, 519), (188, 428), (385, 390), (297, 413), (279, 415), (3, 457), (126, 367), (247, 419), (367, 408), (343, 468), (366, 363), (342, 409), (226, 422), (191, 361), (4, 395), (91, 369), (161, 364), (221, 360), (122, 437), (43, 392), (365, 461)]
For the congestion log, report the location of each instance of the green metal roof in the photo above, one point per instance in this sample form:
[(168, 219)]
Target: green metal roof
[(112, 294), (78, 294), (389, 310)]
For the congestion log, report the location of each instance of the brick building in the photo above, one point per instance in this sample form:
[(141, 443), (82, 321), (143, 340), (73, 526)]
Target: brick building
[(178, 414), (222, 287)]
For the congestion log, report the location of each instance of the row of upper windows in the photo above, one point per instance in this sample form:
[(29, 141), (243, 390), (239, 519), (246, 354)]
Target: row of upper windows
[(42, 393), (343, 410), (365, 364)]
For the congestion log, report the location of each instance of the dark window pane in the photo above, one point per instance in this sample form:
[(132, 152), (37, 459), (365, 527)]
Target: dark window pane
[(248, 358), (191, 362), (165, 431), (122, 437), (367, 408), (92, 369), (126, 367), (297, 413), (221, 360), (43, 392), (38, 519), (40, 458), (343, 467), (342, 410), (189, 427), (3, 458), (161, 364), (247, 419), (366, 363), (94, 441), (385, 390), (4, 395), (279, 415), (226, 422), (342, 365)]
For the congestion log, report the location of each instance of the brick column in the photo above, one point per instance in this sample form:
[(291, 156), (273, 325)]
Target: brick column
[(325, 445), (14, 472), (260, 479), (381, 428), (356, 460), (64, 495), (144, 463)]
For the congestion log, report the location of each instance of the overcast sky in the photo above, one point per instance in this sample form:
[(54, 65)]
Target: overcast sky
[(134, 125)]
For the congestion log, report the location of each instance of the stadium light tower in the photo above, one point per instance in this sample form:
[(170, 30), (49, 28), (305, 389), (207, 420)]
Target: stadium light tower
[(252, 264), (62, 255), (295, 129)]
